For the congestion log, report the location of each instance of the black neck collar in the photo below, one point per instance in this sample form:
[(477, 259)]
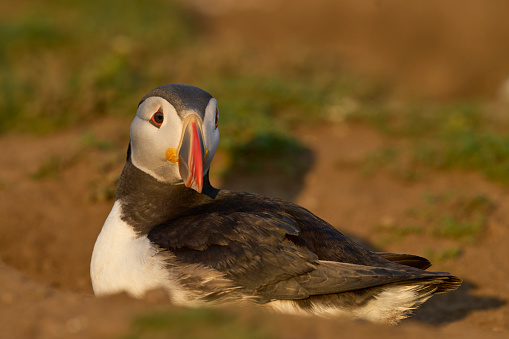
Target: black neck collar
[(147, 202)]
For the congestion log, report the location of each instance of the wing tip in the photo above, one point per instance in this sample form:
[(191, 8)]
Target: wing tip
[(410, 260)]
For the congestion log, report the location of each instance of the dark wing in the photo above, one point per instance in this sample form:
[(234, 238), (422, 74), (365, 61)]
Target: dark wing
[(248, 248), (252, 249)]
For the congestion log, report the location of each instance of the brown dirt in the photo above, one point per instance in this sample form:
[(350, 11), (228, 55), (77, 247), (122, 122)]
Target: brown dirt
[(434, 48)]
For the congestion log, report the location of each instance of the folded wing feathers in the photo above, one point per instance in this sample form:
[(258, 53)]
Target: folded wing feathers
[(251, 249), (335, 277)]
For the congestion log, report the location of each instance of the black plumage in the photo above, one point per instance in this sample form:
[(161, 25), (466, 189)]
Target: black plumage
[(182, 97), (269, 249)]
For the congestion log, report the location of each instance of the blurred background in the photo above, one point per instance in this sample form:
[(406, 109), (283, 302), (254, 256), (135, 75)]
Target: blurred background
[(387, 118)]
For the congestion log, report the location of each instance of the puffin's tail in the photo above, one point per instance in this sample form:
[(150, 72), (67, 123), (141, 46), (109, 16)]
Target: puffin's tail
[(388, 303), (442, 282)]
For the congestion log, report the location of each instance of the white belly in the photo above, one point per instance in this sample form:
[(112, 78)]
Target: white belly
[(393, 304), (121, 261)]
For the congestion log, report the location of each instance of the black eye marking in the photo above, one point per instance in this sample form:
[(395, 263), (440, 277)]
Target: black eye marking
[(217, 117), (157, 119)]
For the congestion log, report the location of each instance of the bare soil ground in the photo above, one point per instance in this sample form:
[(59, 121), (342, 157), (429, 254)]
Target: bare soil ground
[(49, 227), (434, 49)]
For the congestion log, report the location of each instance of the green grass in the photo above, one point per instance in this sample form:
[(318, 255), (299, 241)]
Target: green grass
[(50, 168), (450, 221), (384, 156), (442, 217), (197, 323), (452, 227), (400, 230), (90, 140), (443, 255), (66, 63), (448, 136), (62, 63), (104, 189), (395, 233), (258, 111), (464, 219)]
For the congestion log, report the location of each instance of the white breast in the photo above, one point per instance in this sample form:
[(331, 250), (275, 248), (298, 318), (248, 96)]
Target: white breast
[(121, 261)]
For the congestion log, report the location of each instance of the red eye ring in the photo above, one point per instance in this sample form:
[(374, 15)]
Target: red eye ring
[(217, 117), (157, 119)]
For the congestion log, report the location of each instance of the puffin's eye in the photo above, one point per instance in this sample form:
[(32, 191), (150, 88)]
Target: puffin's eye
[(217, 117), (157, 119)]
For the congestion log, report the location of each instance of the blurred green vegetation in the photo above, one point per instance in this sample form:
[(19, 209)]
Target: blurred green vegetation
[(65, 63), (198, 323), (443, 255), (444, 216), (469, 136)]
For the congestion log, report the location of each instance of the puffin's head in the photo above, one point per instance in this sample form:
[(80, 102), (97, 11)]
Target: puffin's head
[(174, 135)]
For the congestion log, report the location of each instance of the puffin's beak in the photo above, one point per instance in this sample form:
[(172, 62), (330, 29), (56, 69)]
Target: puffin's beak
[(191, 153)]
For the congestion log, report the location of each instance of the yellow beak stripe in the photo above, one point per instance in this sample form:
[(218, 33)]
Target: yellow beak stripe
[(171, 155)]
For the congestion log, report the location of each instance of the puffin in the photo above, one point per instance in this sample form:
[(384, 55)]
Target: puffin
[(170, 229)]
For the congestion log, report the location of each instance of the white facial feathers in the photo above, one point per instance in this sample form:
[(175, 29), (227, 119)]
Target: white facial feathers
[(210, 132), (150, 142)]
